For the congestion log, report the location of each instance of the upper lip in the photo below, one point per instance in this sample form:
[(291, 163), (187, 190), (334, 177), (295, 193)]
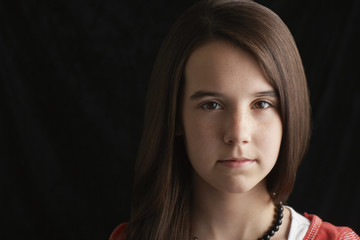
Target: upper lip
[(237, 159)]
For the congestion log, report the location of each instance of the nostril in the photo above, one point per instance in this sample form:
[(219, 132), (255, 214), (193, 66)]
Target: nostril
[(237, 133)]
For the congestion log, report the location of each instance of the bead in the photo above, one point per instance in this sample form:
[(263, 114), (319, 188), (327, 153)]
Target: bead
[(271, 233)]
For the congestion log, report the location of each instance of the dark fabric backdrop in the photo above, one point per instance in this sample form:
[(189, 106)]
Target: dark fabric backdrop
[(73, 79)]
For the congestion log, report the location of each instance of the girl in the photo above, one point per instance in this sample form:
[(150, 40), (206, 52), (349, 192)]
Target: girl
[(227, 122)]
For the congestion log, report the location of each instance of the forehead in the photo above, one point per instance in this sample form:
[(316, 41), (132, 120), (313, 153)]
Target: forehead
[(218, 64)]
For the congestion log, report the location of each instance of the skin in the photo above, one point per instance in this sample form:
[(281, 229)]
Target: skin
[(232, 132)]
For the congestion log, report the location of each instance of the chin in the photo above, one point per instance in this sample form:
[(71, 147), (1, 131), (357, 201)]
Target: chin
[(239, 187), (236, 188)]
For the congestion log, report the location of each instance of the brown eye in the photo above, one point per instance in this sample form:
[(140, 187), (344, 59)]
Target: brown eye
[(262, 105), (211, 106)]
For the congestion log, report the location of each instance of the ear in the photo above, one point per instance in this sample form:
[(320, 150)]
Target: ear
[(179, 130), (178, 133)]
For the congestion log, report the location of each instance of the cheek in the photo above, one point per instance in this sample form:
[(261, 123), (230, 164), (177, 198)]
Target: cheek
[(200, 136), (198, 133), (270, 138)]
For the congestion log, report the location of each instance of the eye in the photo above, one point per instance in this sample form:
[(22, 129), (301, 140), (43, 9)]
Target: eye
[(261, 105), (211, 106)]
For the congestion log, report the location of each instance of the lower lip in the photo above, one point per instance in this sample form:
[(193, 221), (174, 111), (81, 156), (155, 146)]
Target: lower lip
[(236, 164)]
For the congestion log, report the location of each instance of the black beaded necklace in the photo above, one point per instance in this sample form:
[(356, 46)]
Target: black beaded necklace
[(275, 227)]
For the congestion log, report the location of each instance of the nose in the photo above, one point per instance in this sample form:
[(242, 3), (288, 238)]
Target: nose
[(238, 128)]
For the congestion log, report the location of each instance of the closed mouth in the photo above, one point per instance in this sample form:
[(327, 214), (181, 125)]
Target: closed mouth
[(236, 163)]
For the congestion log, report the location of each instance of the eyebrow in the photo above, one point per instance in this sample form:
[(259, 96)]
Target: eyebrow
[(270, 93), (202, 94)]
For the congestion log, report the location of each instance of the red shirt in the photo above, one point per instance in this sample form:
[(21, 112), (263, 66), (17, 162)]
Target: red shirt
[(318, 230)]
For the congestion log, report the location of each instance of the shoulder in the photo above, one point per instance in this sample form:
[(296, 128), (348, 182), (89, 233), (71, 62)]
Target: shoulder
[(319, 230), (118, 231)]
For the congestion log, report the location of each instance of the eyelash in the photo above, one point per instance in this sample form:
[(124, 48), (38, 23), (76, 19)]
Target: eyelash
[(262, 101), (205, 106)]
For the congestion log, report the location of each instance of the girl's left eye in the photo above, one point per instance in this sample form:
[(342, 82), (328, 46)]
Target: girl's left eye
[(262, 105)]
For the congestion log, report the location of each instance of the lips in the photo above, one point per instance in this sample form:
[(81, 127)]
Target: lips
[(236, 163)]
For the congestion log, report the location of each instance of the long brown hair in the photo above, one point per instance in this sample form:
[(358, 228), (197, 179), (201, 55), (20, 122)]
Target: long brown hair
[(162, 188)]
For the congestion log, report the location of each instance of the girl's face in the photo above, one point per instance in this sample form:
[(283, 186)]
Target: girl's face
[(231, 123)]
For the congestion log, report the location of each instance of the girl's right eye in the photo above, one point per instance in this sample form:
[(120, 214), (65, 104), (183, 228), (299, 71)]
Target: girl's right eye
[(211, 106)]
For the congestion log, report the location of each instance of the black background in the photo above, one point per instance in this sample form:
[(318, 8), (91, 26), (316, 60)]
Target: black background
[(73, 80)]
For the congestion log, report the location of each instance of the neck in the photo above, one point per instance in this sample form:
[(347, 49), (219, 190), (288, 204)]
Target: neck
[(221, 215)]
